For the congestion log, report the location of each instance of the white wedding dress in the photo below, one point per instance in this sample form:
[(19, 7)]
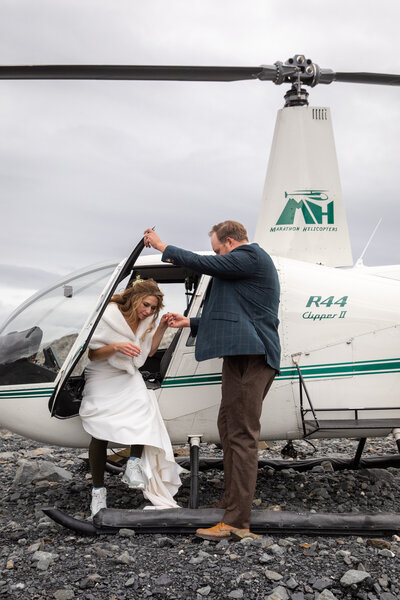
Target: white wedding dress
[(117, 407)]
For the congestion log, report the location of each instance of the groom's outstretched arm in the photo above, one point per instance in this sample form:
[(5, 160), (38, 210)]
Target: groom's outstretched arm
[(238, 264)]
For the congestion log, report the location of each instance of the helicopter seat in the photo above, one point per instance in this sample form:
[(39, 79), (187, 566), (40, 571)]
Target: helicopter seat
[(18, 352), (153, 377), (20, 344)]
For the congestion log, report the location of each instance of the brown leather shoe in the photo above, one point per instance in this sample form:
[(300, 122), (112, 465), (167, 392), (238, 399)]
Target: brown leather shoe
[(220, 531)]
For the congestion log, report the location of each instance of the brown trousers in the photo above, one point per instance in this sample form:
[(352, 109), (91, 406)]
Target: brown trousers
[(245, 383)]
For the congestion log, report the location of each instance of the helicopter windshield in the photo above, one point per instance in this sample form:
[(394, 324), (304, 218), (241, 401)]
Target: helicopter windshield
[(37, 338)]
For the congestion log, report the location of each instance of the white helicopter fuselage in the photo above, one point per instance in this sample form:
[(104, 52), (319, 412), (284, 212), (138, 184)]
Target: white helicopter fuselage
[(341, 326)]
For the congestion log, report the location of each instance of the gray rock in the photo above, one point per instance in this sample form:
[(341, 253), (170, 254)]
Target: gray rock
[(7, 455), (291, 583), (326, 595), (18, 586), (284, 542), (318, 469), (279, 593), (378, 475), (22, 542), (30, 471), (165, 542), (297, 596), (64, 594), (272, 575), (313, 547), (287, 473), (204, 591), (354, 577), (34, 547), (267, 541), (322, 583), (246, 541), (276, 549), (265, 558), (38, 452), (43, 564), (125, 558), (387, 553), (196, 560), (129, 582), (127, 533), (327, 466), (164, 579), (247, 575), (236, 594), (39, 555)]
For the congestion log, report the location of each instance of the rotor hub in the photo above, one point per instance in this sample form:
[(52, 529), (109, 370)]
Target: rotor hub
[(298, 70)]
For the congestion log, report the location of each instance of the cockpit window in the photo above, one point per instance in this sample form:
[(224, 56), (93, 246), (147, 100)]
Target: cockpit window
[(36, 341)]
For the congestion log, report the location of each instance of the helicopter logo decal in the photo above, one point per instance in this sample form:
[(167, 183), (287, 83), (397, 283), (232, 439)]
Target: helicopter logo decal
[(315, 208)]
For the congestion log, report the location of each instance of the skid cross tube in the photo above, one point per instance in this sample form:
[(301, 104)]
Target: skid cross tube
[(194, 442)]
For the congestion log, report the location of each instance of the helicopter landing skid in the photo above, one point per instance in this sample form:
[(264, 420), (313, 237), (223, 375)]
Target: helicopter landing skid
[(186, 521)]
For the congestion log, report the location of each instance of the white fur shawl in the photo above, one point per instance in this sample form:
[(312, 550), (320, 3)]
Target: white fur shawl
[(113, 328)]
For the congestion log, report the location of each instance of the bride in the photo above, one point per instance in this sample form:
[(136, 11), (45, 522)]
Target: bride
[(117, 407)]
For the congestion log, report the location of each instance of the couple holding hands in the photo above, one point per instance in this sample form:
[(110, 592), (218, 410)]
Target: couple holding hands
[(239, 323)]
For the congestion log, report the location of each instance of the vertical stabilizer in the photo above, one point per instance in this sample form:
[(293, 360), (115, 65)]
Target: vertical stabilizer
[(302, 214)]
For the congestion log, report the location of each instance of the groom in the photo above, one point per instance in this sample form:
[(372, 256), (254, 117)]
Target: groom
[(239, 322)]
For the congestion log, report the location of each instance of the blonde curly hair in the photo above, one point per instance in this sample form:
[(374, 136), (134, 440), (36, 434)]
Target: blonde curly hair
[(131, 298)]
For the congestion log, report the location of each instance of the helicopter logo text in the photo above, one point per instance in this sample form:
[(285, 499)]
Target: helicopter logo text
[(314, 206)]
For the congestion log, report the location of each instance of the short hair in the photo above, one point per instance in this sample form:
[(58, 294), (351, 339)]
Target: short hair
[(231, 229)]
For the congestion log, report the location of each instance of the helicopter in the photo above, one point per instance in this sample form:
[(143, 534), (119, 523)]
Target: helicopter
[(340, 324)]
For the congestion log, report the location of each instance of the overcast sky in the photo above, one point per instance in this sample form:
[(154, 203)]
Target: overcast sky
[(86, 166)]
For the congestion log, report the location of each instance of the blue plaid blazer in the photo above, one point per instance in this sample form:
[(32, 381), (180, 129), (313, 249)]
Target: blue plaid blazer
[(240, 312)]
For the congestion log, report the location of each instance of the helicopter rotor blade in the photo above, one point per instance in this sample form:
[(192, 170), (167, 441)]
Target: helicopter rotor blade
[(297, 69), (327, 76), (142, 72), (374, 78)]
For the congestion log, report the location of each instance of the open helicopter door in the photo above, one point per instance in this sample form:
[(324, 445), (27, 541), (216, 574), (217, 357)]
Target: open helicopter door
[(67, 390), (302, 214)]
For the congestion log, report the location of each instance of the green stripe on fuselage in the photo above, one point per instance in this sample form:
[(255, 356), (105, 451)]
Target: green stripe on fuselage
[(326, 371)]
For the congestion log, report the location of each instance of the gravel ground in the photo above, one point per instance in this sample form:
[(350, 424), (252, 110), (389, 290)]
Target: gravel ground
[(39, 559)]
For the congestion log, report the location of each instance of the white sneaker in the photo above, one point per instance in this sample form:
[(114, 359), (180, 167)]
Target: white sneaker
[(99, 500), (133, 475)]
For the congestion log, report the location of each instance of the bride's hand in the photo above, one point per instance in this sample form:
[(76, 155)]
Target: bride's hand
[(127, 348), (164, 321), (176, 320)]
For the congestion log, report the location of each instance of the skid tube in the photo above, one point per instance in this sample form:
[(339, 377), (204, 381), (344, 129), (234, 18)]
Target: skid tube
[(185, 521)]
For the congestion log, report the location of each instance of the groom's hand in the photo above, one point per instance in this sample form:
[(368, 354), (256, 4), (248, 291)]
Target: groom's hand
[(151, 240)]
